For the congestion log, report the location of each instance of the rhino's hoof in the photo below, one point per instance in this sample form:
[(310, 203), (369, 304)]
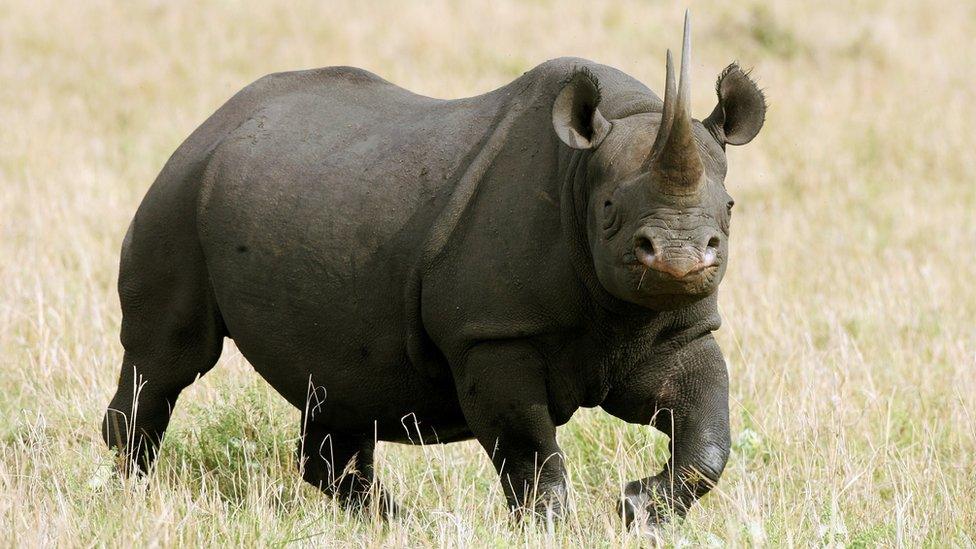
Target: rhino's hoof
[(379, 504), (387, 508), (548, 508), (640, 520), (643, 509), (550, 511)]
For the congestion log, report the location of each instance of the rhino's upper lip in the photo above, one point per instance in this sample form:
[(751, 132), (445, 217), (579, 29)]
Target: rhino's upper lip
[(630, 259), (696, 271)]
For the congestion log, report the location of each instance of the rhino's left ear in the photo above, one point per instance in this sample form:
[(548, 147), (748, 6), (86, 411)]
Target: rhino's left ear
[(741, 108), (575, 113)]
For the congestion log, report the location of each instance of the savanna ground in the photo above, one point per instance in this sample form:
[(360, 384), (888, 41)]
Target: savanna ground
[(849, 305)]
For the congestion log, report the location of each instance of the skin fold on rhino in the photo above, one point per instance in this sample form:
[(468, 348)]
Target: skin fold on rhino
[(409, 269)]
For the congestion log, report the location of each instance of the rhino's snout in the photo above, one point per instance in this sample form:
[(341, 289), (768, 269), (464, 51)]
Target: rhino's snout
[(677, 258)]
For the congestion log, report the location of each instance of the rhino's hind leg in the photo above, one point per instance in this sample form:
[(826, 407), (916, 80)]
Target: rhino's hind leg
[(139, 413), (154, 372), (172, 333), (341, 465)]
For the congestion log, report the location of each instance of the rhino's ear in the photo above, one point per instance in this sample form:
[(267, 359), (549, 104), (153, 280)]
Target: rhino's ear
[(575, 115), (741, 108)]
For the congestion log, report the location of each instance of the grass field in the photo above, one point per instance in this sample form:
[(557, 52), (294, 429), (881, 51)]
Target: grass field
[(849, 304)]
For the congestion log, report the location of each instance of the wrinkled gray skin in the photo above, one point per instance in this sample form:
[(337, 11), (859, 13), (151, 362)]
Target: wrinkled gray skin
[(409, 269)]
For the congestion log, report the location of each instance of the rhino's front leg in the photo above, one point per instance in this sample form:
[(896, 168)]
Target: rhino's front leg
[(693, 411), (502, 390)]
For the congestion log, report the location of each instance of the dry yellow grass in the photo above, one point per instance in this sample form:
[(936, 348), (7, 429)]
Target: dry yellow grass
[(850, 302)]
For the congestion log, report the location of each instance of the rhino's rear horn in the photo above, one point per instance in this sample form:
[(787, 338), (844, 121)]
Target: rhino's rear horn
[(674, 158)]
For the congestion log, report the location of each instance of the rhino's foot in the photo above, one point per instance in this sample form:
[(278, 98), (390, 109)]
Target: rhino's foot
[(341, 465), (373, 500), (648, 504), (547, 507)]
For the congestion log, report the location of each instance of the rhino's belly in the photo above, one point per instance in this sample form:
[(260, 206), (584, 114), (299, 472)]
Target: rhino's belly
[(330, 342)]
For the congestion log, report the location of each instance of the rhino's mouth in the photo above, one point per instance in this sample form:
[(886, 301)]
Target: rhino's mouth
[(694, 283), (679, 262)]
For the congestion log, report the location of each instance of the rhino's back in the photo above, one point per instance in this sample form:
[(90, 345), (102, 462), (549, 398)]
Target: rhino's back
[(339, 155)]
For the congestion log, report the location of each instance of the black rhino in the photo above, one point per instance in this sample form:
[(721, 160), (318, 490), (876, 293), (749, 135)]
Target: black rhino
[(403, 268)]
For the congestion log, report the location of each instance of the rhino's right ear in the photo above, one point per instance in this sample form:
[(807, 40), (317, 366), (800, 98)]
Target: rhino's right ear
[(741, 108), (575, 113)]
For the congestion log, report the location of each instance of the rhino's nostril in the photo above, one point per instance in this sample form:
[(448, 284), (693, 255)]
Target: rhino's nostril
[(644, 250), (711, 252)]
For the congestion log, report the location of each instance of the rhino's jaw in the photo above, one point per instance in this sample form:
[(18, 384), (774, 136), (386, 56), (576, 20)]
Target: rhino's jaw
[(667, 285), (654, 284)]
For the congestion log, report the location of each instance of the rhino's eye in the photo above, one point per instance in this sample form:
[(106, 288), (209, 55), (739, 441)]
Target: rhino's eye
[(609, 217), (730, 204)]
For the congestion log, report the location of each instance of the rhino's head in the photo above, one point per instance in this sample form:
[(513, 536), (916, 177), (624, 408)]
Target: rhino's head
[(657, 215)]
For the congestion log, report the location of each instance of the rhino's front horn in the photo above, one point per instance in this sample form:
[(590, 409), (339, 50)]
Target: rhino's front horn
[(674, 159)]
